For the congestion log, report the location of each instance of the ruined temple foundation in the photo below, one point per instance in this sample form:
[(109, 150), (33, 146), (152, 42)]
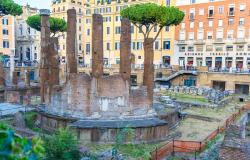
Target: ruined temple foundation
[(96, 107)]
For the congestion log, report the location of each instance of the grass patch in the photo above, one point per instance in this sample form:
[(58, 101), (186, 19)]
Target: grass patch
[(186, 97), (129, 151)]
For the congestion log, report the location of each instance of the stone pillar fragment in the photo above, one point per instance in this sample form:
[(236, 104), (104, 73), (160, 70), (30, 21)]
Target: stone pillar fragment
[(71, 41), (45, 42), (27, 78), (54, 62), (2, 75), (14, 78), (97, 45), (148, 75), (125, 51)]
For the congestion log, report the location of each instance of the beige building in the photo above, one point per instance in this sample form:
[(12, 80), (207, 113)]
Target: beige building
[(110, 10), (27, 39)]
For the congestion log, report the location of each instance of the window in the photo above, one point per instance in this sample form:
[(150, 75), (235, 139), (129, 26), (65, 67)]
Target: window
[(108, 30), (230, 34), (200, 24), (199, 48), (88, 11), (167, 28), (200, 35), (201, 11), (117, 30), (210, 11), (218, 48), (209, 35), (221, 9), (231, 10), (80, 21), (96, 10), (182, 49), (248, 48), (5, 32), (182, 25), (242, 7), (6, 44), (108, 9), (229, 48), (168, 2), (220, 22), (88, 33), (190, 48), (88, 20), (118, 18), (139, 57), (155, 28), (166, 45), (80, 28), (242, 21), (80, 47), (156, 46), (87, 48), (117, 45), (230, 21), (240, 47), (209, 48), (80, 37), (219, 34), (139, 45), (132, 29), (192, 1), (192, 14), (191, 36), (108, 46), (182, 35), (241, 33), (191, 24), (5, 21), (210, 23)]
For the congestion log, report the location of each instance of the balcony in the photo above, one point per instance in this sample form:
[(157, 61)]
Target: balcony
[(240, 40), (219, 41), (199, 42), (211, 15), (231, 13), (181, 42)]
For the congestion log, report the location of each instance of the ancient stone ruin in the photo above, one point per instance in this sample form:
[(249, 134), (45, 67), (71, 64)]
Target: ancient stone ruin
[(97, 106)]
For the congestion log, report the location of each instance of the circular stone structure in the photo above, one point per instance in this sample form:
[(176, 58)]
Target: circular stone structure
[(97, 109)]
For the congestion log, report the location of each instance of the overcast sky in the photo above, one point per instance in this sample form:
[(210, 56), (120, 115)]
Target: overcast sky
[(41, 4)]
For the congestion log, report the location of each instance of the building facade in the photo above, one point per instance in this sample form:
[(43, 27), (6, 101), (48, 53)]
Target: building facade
[(214, 33), (7, 35), (27, 39), (110, 10)]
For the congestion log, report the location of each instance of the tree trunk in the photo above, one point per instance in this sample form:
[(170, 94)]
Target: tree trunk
[(148, 75)]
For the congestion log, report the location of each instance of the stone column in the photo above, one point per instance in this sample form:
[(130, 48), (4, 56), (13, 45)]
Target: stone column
[(2, 74), (71, 41), (148, 75), (125, 51), (44, 64), (54, 62), (97, 45), (27, 78), (14, 78)]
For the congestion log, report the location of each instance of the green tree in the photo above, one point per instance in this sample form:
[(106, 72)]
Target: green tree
[(62, 145), (15, 147), (10, 7), (56, 24), (146, 16)]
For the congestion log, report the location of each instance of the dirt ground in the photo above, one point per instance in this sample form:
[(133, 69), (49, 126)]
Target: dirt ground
[(204, 121)]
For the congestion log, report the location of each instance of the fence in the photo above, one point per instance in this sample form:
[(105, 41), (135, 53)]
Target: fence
[(194, 146)]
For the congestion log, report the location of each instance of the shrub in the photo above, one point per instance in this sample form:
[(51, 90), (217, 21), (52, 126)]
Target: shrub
[(61, 145)]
